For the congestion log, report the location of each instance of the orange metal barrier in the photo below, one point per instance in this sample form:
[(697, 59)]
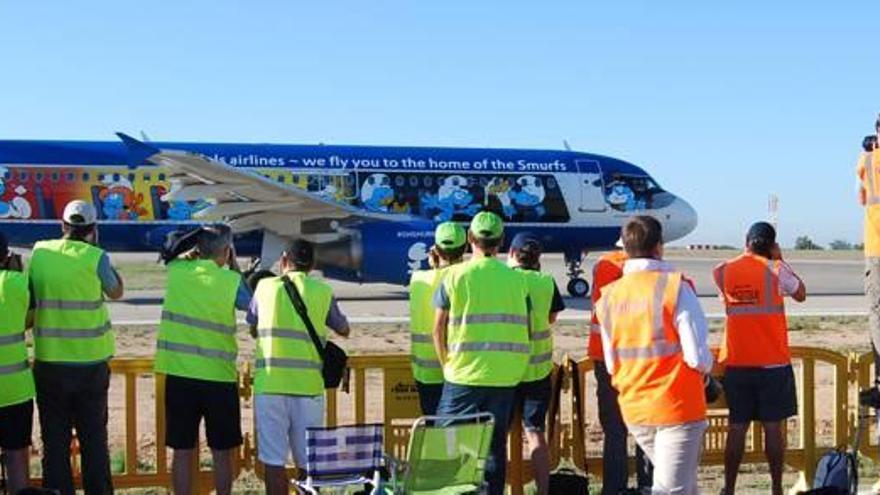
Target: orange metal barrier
[(381, 388)]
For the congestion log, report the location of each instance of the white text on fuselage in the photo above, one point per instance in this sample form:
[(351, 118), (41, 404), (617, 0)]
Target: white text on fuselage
[(405, 163)]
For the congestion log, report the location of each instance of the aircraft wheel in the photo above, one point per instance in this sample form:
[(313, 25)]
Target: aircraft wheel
[(578, 287)]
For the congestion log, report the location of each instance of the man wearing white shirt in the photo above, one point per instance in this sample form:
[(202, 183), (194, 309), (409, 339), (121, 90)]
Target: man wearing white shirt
[(654, 336)]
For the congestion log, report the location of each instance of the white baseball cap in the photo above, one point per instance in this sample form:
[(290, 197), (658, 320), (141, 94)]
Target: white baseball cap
[(78, 212)]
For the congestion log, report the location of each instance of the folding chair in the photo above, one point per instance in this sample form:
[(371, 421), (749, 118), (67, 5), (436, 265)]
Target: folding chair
[(446, 455), (343, 456)]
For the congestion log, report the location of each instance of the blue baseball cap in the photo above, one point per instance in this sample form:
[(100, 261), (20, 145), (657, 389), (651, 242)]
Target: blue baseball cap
[(524, 239)]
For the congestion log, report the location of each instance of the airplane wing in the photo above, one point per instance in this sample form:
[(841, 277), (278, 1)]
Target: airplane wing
[(244, 198)]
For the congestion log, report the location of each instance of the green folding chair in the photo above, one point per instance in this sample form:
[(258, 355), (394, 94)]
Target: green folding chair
[(446, 455)]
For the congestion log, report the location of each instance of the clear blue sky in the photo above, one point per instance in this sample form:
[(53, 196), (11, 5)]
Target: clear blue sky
[(722, 102)]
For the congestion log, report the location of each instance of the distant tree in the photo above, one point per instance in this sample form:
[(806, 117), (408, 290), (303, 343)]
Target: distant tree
[(840, 245), (859, 246), (805, 243)]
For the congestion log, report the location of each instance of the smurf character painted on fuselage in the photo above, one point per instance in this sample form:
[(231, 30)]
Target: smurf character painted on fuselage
[(417, 254), (18, 206), (376, 193), (452, 198), (621, 197), (183, 210), (526, 198), (119, 201)]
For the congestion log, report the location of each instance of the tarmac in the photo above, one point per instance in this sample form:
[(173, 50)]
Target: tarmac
[(834, 286)]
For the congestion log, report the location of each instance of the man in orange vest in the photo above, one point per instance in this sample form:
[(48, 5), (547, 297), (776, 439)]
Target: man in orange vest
[(868, 170), (758, 379), (654, 338), (615, 463)]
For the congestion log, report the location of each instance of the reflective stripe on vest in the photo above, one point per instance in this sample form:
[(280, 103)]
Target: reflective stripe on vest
[(490, 318), (302, 364), (71, 321), (871, 196), (658, 347), (16, 379), (424, 362), (756, 331), (195, 350), (488, 332), (72, 333), (197, 331), (541, 289), (287, 361), (69, 305), (199, 323), (656, 387)]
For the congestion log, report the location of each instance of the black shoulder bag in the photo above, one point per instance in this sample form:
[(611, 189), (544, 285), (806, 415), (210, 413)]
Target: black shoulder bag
[(333, 358)]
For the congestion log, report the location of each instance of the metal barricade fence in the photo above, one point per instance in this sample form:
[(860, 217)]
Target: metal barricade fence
[(381, 388)]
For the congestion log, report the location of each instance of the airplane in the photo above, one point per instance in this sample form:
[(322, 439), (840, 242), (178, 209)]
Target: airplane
[(370, 210)]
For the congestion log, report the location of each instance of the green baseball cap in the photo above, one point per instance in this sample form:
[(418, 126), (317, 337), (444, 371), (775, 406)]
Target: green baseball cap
[(449, 235), (487, 225)]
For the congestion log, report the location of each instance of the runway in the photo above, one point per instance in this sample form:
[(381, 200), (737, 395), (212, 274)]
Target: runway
[(834, 284)]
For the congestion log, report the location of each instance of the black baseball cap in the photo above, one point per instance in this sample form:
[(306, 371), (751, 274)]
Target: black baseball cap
[(4, 247), (523, 239), (761, 232), (301, 252)]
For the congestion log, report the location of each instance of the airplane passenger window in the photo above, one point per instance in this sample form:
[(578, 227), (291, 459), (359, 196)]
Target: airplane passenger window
[(131, 177), (7, 175), (414, 181), (23, 176), (148, 177), (55, 176), (69, 176), (86, 176), (399, 181), (161, 177)]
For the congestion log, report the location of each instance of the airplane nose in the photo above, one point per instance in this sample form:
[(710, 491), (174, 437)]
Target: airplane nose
[(682, 220)]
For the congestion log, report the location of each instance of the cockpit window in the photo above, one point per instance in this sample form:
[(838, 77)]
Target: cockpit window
[(631, 192)]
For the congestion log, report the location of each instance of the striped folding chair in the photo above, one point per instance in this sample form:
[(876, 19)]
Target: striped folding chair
[(343, 456)]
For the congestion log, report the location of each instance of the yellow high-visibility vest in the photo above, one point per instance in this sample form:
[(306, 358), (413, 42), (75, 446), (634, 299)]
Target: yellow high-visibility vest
[(71, 323), (197, 330)]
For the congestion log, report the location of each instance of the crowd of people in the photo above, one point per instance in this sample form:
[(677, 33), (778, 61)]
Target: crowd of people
[(481, 341)]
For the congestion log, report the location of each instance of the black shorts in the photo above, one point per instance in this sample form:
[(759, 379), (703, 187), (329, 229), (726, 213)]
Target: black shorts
[(760, 394), (533, 399), (16, 425), (187, 401)]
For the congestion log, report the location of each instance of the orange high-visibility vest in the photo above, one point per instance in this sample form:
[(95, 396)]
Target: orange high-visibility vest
[(606, 270), (869, 174), (656, 386), (757, 333)]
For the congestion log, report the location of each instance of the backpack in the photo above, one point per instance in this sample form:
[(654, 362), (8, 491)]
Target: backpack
[(837, 470)]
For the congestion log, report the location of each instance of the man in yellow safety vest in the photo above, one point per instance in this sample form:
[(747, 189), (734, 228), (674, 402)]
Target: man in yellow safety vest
[(16, 379), (481, 334), (73, 344), (197, 352), (288, 385), (450, 243), (533, 394)]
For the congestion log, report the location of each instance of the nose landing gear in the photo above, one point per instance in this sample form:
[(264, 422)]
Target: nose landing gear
[(577, 285)]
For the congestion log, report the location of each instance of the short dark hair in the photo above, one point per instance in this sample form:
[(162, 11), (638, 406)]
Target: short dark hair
[(301, 253), (451, 254), (641, 235), (79, 232), (484, 243)]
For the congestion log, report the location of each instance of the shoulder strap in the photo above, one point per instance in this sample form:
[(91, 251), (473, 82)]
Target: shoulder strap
[(300, 306), (579, 427)]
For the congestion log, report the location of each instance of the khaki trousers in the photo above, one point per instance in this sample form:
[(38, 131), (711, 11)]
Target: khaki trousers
[(675, 452)]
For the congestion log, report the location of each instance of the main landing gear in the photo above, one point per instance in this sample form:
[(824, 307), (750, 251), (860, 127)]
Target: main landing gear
[(577, 285)]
